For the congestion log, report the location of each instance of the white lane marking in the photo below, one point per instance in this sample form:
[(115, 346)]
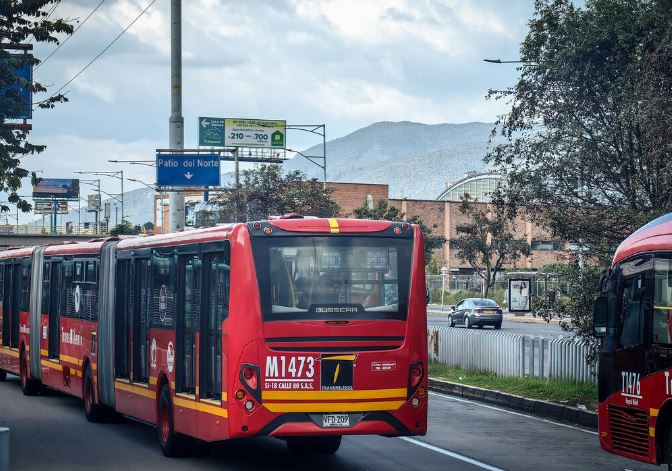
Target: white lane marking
[(452, 454), (476, 403)]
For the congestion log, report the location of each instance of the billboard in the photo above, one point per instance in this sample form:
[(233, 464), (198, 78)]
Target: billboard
[(255, 133), (93, 202), (519, 295), (45, 207), (57, 188), (22, 68)]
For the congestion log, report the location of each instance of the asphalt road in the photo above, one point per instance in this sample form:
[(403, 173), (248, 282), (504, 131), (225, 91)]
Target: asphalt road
[(551, 330), (50, 432)]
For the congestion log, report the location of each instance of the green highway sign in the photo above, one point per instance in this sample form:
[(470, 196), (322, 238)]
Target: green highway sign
[(210, 132)]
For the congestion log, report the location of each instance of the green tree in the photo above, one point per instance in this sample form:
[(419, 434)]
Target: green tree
[(20, 22), (265, 192), (588, 135), (384, 212), (125, 228), (487, 241), (589, 132)]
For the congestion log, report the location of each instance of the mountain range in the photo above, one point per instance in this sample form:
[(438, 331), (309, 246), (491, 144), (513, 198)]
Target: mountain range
[(416, 160)]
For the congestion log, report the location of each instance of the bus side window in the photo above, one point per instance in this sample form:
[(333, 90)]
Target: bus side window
[(632, 312)]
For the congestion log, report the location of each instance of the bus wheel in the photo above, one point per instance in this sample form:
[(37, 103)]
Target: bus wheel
[(315, 445), (3, 375), (94, 412), (30, 387), (170, 441)]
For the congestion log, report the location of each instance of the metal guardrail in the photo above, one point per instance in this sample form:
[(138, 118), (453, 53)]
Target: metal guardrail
[(8, 229), (512, 355)]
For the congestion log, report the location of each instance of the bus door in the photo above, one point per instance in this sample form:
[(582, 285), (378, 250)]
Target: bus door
[(214, 310), (57, 290), (141, 306), (123, 320), (15, 304), (188, 321), (633, 308), (7, 305)]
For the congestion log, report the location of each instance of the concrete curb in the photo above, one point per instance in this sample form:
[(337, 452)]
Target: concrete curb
[(548, 410)]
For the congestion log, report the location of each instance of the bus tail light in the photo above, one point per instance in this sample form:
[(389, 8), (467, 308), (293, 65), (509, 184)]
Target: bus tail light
[(249, 378), (416, 374)]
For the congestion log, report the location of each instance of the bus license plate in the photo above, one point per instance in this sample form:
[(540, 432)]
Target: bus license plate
[(335, 420)]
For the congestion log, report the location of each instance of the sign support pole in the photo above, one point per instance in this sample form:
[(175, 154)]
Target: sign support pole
[(176, 122)]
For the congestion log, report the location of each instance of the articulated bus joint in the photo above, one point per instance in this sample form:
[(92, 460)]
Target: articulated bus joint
[(300, 417)]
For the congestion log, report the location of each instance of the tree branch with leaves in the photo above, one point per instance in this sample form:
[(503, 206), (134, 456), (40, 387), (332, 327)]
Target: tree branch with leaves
[(21, 21), (487, 242)]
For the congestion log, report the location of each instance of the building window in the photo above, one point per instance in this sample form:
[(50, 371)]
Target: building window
[(546, 245)]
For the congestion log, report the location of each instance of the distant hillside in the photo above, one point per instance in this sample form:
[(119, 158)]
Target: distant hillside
[(415, 159)]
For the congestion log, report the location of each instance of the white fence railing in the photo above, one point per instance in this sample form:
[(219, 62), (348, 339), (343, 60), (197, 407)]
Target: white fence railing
[(510, 354)]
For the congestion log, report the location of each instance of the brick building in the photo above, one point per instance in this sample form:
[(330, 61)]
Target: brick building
[(444, 216)]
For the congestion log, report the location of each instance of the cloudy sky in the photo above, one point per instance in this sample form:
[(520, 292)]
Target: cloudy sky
[(345, 63)]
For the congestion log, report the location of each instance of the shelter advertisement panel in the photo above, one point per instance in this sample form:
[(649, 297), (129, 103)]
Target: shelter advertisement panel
[(57, 188), (255, 133), (519, 295)]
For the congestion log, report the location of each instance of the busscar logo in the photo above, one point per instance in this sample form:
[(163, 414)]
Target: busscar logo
[(330, 309), (337, 372)]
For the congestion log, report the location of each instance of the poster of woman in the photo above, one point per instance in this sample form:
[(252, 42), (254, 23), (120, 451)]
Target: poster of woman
[(519, 295)]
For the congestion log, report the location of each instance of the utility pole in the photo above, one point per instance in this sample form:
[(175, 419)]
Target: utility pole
[(176, 122)]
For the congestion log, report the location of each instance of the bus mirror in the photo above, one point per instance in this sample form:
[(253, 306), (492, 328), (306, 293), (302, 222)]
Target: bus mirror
[(600, 316)]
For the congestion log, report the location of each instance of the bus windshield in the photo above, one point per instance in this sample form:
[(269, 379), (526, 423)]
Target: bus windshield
[(333, 277), (662, 302)]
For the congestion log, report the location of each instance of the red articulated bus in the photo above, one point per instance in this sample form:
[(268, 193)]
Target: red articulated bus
[(633, 315), (303, 329)]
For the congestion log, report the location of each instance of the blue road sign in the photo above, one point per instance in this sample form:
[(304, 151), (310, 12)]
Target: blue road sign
[(211, 132), (187, 170), (23, 72)]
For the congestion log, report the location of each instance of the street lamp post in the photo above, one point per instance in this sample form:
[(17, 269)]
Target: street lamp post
[(176, 121)]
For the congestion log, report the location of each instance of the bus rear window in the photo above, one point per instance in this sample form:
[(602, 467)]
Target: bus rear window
[(327, 277)]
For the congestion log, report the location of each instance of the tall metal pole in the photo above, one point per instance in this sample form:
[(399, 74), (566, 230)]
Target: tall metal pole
[(324, 153), (176, 122), (123, 215)]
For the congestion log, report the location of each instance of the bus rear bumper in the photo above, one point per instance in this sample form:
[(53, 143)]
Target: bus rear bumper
[(370, 423)]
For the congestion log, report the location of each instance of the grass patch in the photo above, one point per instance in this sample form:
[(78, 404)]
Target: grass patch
[(555, 390)]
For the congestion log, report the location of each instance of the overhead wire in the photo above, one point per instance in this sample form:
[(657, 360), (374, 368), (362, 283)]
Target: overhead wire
[(104, 49), (49, 13), (73, 33)]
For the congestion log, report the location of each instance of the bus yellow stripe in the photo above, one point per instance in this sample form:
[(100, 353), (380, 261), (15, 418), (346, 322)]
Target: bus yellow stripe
[(51, 364), (340, 357), (44, 352), (69, 359), (134, 389), (654, 412), (201, 407), (333, 225), (333, 406), (10, 351), (333, 395)]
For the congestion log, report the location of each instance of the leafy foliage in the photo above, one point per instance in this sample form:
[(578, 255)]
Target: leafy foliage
[(265, 192), (487, 242), (19, 22), (589, 132), (384, 212), (127, 228), (574, 303)]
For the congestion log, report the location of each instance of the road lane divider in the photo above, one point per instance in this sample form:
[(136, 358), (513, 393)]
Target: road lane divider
[(452, 454), (519, 414)]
